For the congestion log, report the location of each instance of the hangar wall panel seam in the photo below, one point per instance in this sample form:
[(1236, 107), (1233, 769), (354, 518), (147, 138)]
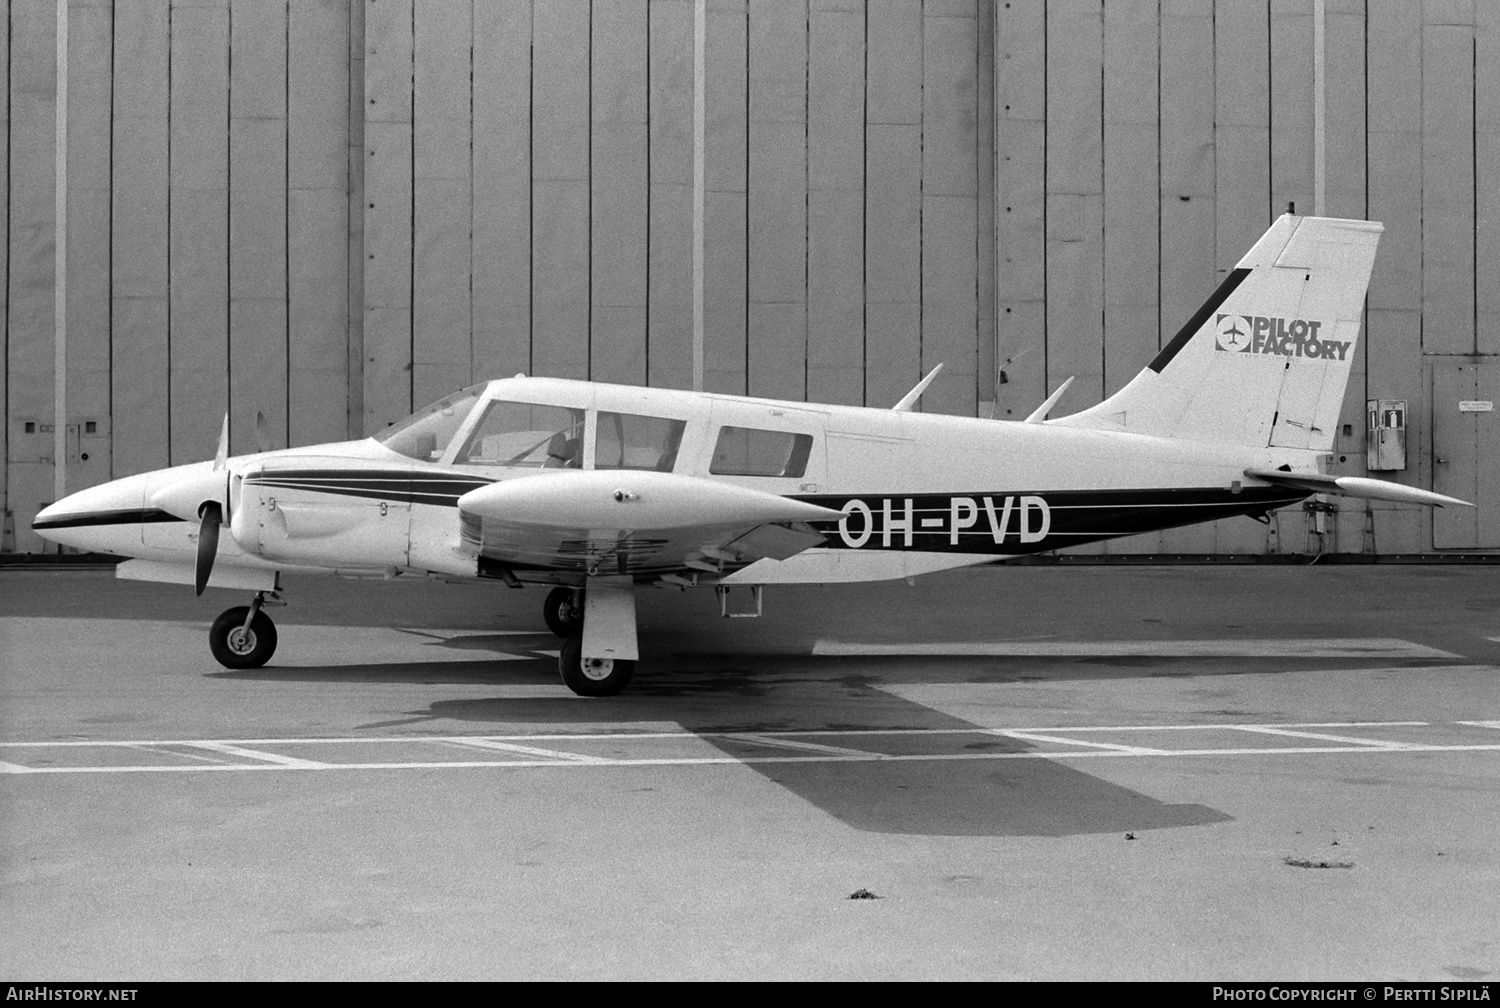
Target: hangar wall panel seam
[(330, 212)]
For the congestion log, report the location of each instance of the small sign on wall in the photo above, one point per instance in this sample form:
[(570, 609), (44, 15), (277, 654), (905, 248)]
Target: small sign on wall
[(1475, 406)]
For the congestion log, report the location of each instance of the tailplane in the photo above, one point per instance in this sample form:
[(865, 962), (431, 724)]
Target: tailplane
[(1265, 360)]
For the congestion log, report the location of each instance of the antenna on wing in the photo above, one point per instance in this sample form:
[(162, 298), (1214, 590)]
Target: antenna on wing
[(910, 399), (262, 433), (1040, 413)]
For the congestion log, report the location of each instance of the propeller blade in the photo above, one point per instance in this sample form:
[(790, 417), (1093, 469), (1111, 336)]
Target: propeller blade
[(208, 543)]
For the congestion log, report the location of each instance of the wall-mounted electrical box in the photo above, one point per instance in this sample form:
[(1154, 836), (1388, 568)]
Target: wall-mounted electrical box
[(1385, 448), (33, 441)]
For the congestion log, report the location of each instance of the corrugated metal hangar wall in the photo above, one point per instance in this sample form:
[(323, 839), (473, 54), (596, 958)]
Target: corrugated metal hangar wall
[(332, 211)]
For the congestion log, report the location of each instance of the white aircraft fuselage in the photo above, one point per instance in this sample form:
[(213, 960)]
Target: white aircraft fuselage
[(600, 488), (916, 493)]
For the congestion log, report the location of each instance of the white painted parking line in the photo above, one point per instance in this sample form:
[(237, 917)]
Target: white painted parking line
[(1480, 724), (525, 750), (1326, 737), (559, 752), (1295, 724), (1336, 647), (443, 634), (772, 741), (276, 758), (166, 750), (1029, 736)]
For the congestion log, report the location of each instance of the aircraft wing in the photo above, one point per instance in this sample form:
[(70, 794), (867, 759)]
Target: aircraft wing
[(1354, 486), (633, 522)]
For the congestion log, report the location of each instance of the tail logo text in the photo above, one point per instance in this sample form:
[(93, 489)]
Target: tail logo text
[(1276, 337)]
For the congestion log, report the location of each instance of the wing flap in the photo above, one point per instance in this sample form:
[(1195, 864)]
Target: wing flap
[(773, 542)]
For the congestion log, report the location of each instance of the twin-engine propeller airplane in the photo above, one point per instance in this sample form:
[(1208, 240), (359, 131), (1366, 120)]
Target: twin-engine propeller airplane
[(600, 489)]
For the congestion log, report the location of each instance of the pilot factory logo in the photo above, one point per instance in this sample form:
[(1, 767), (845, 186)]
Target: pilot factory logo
[(1276, 337)]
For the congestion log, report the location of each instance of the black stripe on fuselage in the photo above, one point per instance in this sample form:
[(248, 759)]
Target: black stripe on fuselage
[(87, 519), (1233, 280), (1021, 522), (440, 489), (1073, 517)]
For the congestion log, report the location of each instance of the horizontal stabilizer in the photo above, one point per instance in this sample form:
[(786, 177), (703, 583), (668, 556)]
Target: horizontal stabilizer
[(222, 576), (1355, 486)]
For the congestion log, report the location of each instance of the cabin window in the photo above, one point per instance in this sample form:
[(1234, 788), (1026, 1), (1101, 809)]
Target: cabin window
[(631, 441), (526, 435), (424, 435), (745, 451)]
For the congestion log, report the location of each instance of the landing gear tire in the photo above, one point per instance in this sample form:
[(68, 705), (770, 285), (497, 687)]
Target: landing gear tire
[(563, 613), (592, 676), (238, 648)]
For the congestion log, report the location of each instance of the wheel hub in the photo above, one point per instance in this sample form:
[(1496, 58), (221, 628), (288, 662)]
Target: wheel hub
[(597, 669), (241, 641)]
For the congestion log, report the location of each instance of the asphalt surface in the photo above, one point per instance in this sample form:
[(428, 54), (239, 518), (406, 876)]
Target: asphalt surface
[(1208, 773)]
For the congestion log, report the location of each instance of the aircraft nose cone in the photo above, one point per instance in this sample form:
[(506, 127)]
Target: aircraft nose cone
[(48, 515), (105, 518)]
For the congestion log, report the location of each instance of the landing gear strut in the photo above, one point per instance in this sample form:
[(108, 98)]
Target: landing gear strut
[(598, 658), (244, 637)]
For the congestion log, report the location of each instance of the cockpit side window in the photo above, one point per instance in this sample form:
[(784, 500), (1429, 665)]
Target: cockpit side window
[(746, 451), (525, 435), (631, 441), (424, 435)]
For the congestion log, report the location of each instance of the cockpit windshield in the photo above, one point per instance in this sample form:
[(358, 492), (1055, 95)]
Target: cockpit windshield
[(424, 435)]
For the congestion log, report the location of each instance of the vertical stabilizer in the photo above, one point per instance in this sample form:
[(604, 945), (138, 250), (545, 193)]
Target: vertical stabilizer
[(1264, 361)]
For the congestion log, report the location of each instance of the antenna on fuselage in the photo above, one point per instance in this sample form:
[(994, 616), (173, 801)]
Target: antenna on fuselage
[(1040, 413), (910, 399)]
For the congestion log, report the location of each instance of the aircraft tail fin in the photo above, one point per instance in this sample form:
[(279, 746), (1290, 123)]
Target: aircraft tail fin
[(1264, 361)]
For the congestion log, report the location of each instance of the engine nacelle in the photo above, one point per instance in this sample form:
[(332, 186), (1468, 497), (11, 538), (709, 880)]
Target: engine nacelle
[(319, 511)]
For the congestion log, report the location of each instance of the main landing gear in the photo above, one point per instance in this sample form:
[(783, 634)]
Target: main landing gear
[(592, 676), (244, 637), (598, 626)]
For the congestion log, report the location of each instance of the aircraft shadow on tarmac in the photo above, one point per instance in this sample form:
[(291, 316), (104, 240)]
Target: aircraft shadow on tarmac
[(716, 694), (938, 797)]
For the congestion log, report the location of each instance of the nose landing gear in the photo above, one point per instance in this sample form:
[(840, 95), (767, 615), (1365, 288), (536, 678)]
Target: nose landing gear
[(244, 637), (563, 611)]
